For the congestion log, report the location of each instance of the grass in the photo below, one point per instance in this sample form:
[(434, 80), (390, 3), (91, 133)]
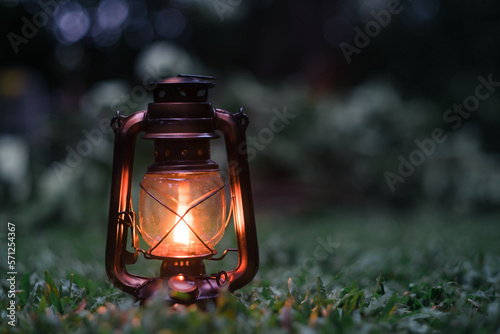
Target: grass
[(321, 273)]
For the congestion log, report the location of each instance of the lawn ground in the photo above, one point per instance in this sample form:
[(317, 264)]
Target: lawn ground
[(324, 272)]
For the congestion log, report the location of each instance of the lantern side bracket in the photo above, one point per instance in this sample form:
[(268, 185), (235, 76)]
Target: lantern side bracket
[(116, 121), (129, 220), (126, 130), (233, 127), (242, 119)]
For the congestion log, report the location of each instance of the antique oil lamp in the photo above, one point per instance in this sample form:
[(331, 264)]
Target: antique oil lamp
[(182, 201)]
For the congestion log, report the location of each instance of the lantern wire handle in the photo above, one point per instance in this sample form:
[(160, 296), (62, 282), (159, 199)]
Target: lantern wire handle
[(223, 254)]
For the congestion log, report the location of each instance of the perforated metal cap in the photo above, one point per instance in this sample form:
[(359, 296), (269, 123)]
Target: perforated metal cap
[(182, 88)]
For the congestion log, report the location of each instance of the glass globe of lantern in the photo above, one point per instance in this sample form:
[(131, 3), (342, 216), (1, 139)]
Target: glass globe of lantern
[(182, 215)]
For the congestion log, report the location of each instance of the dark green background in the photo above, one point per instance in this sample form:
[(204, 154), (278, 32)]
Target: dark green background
[(353, 120)]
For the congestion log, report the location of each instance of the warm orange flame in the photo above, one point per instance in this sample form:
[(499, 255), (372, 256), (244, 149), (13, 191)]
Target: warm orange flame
[(165, 198), (181, 231)]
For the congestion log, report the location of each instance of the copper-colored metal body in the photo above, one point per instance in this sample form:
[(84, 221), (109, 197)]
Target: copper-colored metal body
[(180, 121)]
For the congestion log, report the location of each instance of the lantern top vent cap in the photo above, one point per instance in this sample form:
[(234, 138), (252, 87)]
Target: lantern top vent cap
[(187, 79), (182, 88)]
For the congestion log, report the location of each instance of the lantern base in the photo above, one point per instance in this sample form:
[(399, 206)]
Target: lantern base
[(183, 280), (182, 266), (204, 291)]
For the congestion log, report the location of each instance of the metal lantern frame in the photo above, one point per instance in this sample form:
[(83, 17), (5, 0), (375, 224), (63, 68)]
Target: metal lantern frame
[(181, 122)]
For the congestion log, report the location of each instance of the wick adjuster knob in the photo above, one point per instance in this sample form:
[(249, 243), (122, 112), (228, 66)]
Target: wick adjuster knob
[(183, 288)]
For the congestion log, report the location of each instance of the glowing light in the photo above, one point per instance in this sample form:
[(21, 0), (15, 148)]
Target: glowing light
[(181, 231), (165, 198)]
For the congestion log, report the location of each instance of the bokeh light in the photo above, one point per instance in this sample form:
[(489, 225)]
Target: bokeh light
[(111, 14), (72, 23)]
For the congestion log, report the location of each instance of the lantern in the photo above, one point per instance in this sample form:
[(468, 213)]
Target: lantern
[(182, 202)]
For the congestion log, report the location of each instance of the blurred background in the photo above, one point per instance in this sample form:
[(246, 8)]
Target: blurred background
[(355, 104)]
